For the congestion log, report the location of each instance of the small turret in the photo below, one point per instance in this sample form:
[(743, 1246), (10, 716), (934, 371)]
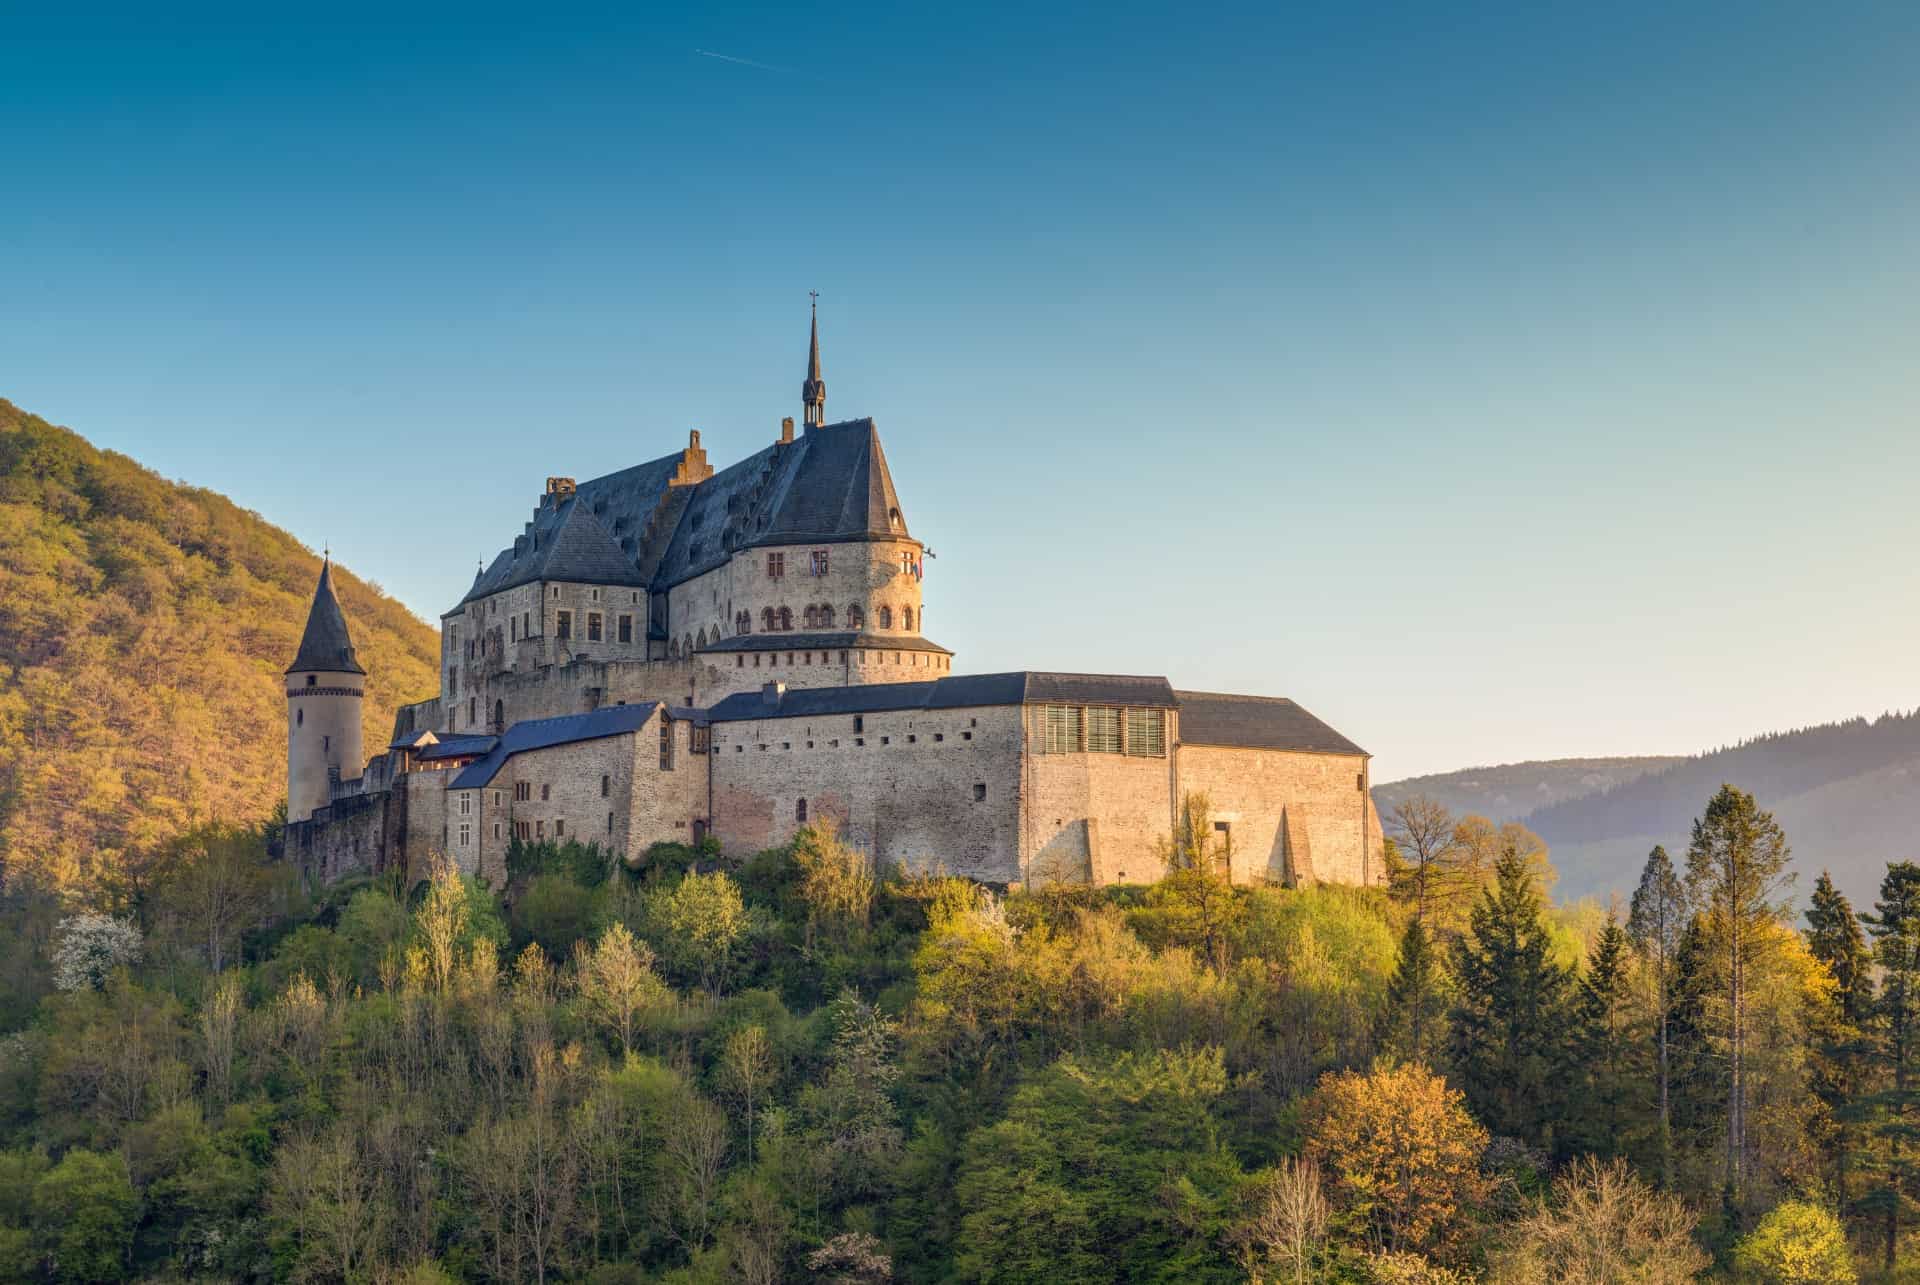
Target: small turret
[(813, 392), (325, 686)]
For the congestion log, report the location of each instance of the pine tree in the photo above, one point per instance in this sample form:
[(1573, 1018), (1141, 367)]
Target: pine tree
[(1736, 865), (1416, 1005), (1843, 1048), (1603, 1045), (1895, 925), (1655, 923), (1511, 1016)]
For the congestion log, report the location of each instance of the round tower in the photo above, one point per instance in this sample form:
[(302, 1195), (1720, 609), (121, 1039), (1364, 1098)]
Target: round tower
[(325, 685)]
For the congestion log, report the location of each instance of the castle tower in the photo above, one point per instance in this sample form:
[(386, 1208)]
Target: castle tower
[(324, 688), (813, 393)]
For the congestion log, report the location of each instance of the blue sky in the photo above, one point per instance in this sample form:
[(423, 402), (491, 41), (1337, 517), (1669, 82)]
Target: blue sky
[(1500, 381)]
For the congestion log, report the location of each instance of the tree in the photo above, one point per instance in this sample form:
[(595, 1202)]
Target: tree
[(698, 923), (617, 982), (219, 886), (1400, 1154), (1895, 926), (86, 1209), (836, 881), (1604, 1043), (1284, 1223), (1844, 1048), (747, 1068), (1655, 922), (1194, 904), (1736, 865), (1797, 1243), (1605, 1224), (1413, 1023), (1511, 1014), (1423, 829), (88, 948)]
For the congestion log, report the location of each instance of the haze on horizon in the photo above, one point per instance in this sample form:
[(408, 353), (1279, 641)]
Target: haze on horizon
[(1499, 385)]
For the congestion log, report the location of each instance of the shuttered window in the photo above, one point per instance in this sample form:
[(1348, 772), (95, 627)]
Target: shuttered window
[(1103, 731), (1147, 733), (1060, 729)]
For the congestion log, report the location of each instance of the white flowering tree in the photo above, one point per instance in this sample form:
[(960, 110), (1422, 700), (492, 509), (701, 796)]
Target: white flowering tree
[(87, 948)]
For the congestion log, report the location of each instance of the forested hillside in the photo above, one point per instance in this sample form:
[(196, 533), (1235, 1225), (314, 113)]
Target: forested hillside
[(143, 629), (1509, 791)]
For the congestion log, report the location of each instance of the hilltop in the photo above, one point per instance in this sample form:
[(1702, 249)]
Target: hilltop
[(144, 626), (1847, 793)]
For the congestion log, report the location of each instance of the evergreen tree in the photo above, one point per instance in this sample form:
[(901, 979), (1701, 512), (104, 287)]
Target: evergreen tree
[(1843, 1048), (1513, 1006), (1603, 1044), (1415, 1015), (1895, 925), (1655, 922), (1736, 864)]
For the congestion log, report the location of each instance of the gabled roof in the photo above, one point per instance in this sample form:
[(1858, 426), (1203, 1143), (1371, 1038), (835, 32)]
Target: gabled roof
[(455, 747), (636, 528), (1021, 687), (543, 733), (326, 646), (1256, 722)]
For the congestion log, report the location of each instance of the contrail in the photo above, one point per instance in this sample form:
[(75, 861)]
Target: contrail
[(744, 62)]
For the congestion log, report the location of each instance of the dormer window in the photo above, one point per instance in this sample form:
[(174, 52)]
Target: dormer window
[(893, 519)]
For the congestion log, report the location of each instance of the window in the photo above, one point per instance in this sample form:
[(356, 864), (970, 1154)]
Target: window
[(666, 744), (1103, 731), (743, 622), (513, 629), (609, 823), (812, 617), (312, 679), (606, 785), (326, 744), (1147, 733), (626, 629), (522, 791), (593, 626), (786, 620), (496, 798), (1059, 730), (466, 833), (855, 617), (466, 803), (299, 718), (473, 711), (563, 626), (859, 722), (767, 620), (906, 617), (496, 829), (539, 829), (700, 739), (546, 792), (776, 566), (819, 562), (701, 641), (559, 827), (800, 811), (980, 792), (886, 617), (526, 624)]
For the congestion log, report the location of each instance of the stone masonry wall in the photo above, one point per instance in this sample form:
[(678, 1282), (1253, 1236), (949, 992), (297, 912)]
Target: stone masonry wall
[(863, 573), (1252, 790), (924, 789), (1097, 818)]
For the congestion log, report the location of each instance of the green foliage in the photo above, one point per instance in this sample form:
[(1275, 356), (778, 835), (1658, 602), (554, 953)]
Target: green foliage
[(1797, 1243), (86, 1208)]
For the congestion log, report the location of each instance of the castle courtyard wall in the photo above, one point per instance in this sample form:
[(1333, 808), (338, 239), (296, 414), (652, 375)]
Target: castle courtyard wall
[(1258, 792)]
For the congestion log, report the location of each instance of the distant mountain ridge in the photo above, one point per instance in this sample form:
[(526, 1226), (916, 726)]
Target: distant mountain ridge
[(144, 626), (1847, 794), (1509, 791)]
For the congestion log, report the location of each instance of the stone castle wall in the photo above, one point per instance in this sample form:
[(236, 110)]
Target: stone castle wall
[(1263, 794)]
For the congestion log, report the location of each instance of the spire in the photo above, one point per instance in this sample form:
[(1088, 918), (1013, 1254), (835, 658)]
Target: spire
[(326, 646), (813, 393)]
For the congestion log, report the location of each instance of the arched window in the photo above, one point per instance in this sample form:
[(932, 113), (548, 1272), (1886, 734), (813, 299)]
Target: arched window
[(786, 617), (743, 622), (886, 617), (673, 649), (800, 811), (812, 616), (499, 717), (473, 712), (703, 636), (906, 618), (687, 649), (766, 620), (826, 615), (856, 618)]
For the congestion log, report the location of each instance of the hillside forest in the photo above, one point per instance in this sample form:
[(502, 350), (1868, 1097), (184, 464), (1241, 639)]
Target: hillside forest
[(799, 1068), (144, 626)]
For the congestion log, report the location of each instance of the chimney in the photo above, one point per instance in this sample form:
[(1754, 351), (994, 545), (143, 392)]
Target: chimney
[(786, 431), (770, 693)]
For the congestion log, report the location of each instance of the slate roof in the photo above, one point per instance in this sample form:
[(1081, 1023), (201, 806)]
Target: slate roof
[(543, 733), (1022, 687), (453, 747), (1256, 722), (634, 528), (326, 646), (822, 642)]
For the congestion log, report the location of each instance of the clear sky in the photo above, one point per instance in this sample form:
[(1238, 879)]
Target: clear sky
[(1500, 382)]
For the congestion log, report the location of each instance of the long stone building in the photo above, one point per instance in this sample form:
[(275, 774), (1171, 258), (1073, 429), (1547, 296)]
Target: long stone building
[(669, 653)]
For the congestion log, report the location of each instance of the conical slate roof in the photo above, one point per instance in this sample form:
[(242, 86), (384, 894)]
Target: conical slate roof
[(326, 646)]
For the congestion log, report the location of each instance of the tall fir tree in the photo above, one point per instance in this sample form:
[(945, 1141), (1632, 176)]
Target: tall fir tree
[(1895, 926), (1736, 867), (1414, 1023), (1655, 923), (1843, 1049), (1510, 1019), (1606, 1047)]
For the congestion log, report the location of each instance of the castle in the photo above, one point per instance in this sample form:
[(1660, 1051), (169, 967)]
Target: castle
[(670, 653)]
